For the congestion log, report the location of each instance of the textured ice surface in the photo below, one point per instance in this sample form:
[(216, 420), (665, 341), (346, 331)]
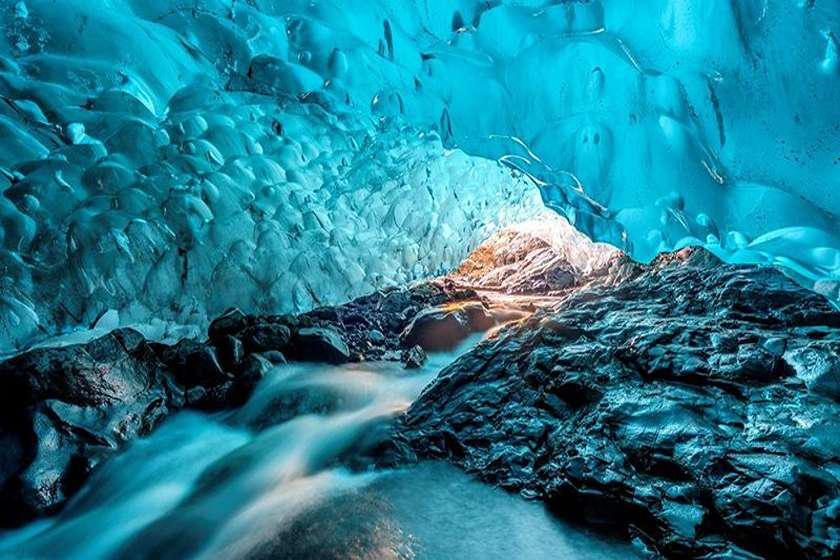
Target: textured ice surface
[(168, 158), (136, 177)]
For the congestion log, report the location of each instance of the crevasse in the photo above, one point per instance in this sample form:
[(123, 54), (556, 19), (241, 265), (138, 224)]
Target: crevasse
[(168, 159)]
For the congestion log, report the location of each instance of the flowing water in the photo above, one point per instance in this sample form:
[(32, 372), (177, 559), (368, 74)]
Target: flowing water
[(266, 481)]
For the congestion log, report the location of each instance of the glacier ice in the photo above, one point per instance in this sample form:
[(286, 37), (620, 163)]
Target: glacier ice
[(170, 158)]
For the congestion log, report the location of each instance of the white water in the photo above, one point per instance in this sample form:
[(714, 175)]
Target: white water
[(267, 481)]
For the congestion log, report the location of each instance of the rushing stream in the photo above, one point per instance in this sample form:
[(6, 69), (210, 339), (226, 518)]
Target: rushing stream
[(264, 482)]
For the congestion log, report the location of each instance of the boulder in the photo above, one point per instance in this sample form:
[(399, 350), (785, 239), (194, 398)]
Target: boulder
[(264, 336), (274, 357), (413, 357), (319, 344), (376, 336), (371, 325), (437, 329), (231, 351), (231, 322), (478, 316), (254, 369), (193, 363), (443, 328), (64, 409)]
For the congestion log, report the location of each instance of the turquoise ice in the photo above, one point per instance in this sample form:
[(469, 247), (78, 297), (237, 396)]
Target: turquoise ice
[(169, 158)]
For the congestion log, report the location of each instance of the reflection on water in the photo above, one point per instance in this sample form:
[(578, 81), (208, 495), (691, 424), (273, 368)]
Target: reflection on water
[(434, 511), (267, 481)]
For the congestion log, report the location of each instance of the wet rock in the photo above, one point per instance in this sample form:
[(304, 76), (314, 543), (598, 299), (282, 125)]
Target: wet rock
[(395, 301), (231, 351), (65, 409), (263, 337), (692, 405), (818, 365), (413, 357), (478, 316), (194, 363), (376, 336), (319, 344), (437, 329), (371, 325), (195, 396), (442, 328), (274, 357), (219, 397), (254, 369), (231, 322)]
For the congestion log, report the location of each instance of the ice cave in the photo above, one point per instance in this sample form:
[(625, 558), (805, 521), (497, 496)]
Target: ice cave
[(419, 279)]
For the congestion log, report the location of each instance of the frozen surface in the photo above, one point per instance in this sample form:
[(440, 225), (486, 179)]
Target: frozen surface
[(169, 158)]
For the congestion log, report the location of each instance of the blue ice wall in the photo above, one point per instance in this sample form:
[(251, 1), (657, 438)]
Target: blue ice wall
[(168, 158), (651, 124)]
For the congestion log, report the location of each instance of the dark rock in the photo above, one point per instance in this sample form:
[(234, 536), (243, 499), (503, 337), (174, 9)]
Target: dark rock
[(274, 357), (574, 388), (354, 319), (65, 409), (331, 314), (254, 369), (193, 363), (444, 327), (72, 372), (395, 302), (413, 357), (231, 322), (319, 344), (263, 337), (693, 404), (437, 329), (231, 351), (196, 395), (219, 397), (376, 336), (371, 325), (818, 365)]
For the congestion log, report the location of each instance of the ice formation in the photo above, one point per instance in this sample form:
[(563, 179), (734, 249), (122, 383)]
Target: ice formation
[(169, 158)]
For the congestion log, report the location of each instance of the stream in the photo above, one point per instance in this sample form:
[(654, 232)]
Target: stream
[(266, 481)]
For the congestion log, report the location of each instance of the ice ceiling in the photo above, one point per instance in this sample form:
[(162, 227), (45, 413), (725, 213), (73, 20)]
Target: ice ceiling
[(169, 158)]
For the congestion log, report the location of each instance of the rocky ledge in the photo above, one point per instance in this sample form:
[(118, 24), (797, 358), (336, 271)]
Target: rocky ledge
[(695, 405), (65, 409)]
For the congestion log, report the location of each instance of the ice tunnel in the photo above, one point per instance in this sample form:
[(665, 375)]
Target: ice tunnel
[(167, 159), (419, 279)]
